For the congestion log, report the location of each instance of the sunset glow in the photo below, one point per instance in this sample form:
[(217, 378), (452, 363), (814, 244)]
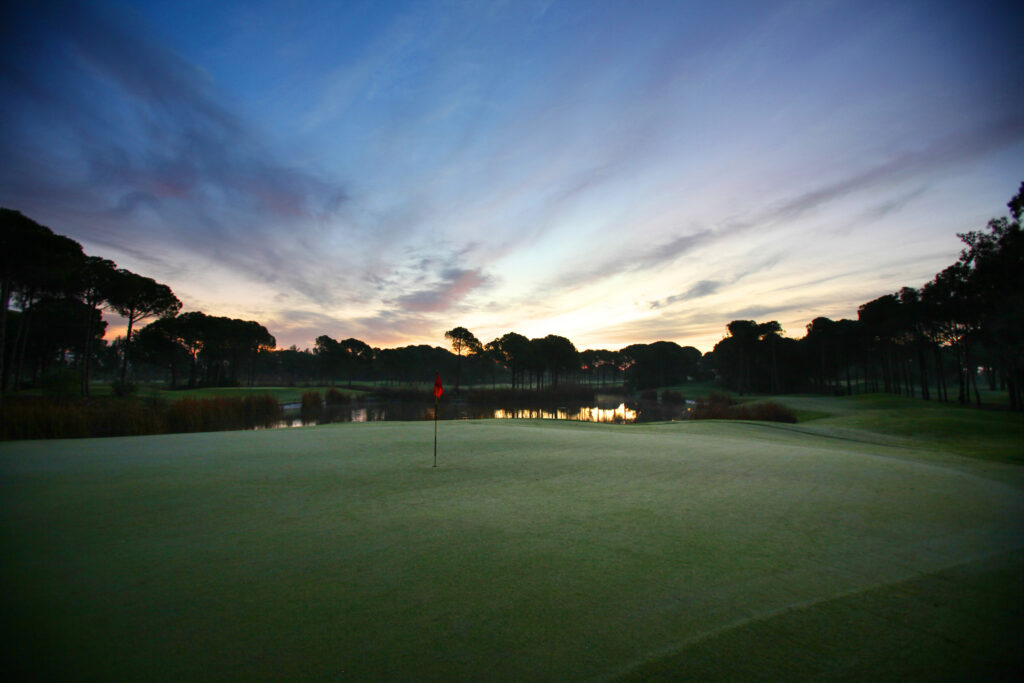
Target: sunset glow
[(614, 173)]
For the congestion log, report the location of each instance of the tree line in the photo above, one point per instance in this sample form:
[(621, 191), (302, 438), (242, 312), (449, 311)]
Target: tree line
[(929, 341), (59, 293), (936, 341)]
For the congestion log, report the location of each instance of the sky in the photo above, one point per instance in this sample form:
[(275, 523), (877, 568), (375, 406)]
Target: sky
[(612, 172)]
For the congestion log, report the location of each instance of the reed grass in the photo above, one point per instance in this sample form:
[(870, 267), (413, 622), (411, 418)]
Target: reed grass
[(46, 418)]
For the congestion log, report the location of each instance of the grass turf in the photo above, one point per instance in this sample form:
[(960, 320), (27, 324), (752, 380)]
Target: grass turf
[(535, 551), (914, 423)]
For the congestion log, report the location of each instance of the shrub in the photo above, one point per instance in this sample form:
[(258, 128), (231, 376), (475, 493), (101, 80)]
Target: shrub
[(770, 411), (37, 418), (261, 411), (219, 413), (717, 398), (311, 406), (673, 397), (335, 397), (648, 395), (723, 408)]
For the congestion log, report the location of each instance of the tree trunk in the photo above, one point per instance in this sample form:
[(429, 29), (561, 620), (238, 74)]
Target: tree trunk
[(962, 395), (5, 301), (922, 366), (972, 378), (87, 354), (127, 346), (940, 376), (19, 346)]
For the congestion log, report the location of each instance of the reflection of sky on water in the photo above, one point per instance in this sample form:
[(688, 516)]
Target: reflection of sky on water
[(605, 412), (581, 414)]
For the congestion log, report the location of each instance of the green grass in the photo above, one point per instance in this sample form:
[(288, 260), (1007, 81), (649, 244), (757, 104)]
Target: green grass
[(926, 425), (535, 551)]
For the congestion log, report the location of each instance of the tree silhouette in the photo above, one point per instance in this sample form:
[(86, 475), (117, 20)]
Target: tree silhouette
[(746, 333), (558, 355), (659, 364), (515, 348), (158, 344), (994, 261), (358, 356), (493, 353), (914, 326), (461, 340), (95, 281), (35, 263), (139, 298), (331, 356), (770, 332)]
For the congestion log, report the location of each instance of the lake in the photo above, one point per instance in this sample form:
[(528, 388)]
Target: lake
[(607, 409)]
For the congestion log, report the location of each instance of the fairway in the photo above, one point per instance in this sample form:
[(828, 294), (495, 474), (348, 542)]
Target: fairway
[(535, 551)]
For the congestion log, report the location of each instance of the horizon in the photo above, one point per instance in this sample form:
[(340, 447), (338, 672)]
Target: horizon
[(613, 174)]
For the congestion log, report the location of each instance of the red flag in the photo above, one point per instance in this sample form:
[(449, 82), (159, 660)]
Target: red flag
[(438, 389)]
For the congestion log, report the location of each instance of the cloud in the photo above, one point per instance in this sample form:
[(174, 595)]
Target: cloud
[(955, 148), (760, 311), (455, 285), (961, 147), (701, 289), (139, 147), (893, 205)]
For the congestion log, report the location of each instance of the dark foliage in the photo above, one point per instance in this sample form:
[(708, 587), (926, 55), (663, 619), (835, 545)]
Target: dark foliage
[(672, 397), (333, 397), (721, 407), (42, 418)]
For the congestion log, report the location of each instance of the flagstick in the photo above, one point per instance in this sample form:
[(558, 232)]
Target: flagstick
[(435, 430)]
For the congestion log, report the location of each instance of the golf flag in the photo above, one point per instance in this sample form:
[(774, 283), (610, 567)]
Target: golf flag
[(437, 395)]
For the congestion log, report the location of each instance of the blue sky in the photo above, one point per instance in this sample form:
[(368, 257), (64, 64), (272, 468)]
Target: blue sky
[(614, 172)]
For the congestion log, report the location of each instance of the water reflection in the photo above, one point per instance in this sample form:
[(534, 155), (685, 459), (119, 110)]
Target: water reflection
[(619, 415), (604, 411)]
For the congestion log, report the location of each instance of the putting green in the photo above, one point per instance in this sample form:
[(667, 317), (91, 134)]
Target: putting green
[(536, 550)]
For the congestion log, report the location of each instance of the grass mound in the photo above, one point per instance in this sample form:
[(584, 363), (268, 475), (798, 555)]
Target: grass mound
[(925, 425)]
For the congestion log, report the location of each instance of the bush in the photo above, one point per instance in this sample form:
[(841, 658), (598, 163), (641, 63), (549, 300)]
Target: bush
[(649, 395), (770, 411), (673, 397), (335, 397), (311, 407), (721, 407), (220, 414), (37, 418), (717, 398)]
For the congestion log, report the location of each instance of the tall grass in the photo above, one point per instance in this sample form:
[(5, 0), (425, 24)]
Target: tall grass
[(219, 414), (42, 418), (312, 406)]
